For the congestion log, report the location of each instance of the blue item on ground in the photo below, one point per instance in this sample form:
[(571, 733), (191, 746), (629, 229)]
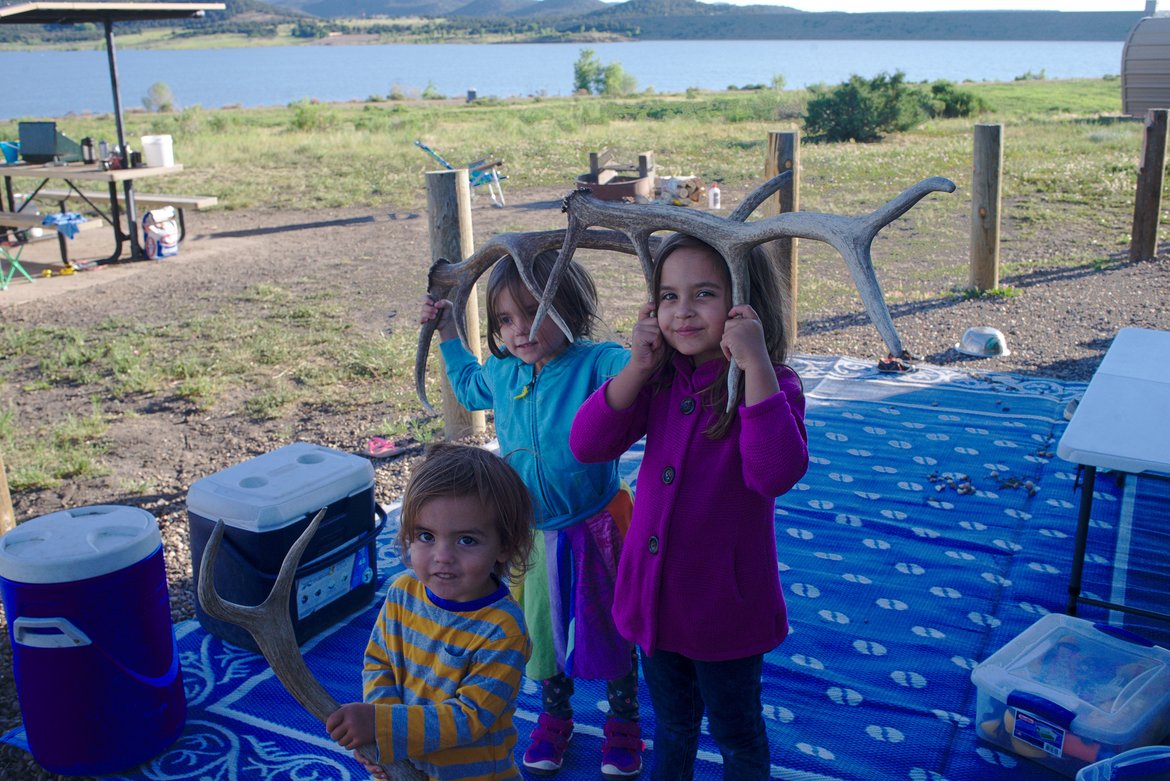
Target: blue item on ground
[(65, 222)]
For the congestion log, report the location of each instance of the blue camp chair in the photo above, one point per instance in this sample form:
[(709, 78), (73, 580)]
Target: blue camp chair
[(479, 172)]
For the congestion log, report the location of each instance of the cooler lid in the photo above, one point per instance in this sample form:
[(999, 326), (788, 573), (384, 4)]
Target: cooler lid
[(275, 489), (77, 544)]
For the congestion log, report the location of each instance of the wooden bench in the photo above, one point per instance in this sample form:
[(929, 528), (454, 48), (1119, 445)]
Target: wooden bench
[(20, 222), (180, 202)]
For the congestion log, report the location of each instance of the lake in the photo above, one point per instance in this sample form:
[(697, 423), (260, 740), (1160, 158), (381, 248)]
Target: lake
[(78, 82)]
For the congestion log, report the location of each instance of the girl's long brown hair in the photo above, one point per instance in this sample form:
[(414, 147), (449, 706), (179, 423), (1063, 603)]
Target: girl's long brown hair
[(766, 296)]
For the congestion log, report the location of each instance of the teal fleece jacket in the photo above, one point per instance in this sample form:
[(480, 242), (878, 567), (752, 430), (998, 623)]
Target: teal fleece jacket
[(533, 415)]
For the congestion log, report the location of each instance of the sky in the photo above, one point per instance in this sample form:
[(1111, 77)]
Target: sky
[(874, 6)]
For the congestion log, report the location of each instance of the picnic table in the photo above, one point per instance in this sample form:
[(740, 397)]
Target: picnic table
[(119, 205)]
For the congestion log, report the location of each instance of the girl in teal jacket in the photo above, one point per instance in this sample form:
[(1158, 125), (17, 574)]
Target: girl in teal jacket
[(534, 388)]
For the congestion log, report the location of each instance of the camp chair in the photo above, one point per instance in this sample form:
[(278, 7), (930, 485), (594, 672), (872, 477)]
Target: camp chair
[(20, 239), (485, 171)]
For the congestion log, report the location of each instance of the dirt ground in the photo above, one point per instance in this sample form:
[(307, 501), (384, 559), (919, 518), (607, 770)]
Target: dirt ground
[(1059, 325)]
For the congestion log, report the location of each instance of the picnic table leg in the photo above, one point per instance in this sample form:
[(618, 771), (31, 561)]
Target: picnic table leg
[(116, 221)]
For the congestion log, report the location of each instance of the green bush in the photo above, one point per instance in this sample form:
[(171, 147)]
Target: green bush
[(865, 110)]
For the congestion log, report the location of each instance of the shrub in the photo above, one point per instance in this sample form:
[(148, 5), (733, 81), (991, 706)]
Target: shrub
[(865, 110)]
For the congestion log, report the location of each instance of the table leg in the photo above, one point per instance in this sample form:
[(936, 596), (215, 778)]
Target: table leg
[(116, 220), (132, 219), (1082, 536)]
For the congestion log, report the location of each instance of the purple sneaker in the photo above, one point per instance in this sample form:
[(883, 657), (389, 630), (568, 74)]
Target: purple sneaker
[(621, 753), (550, 738)]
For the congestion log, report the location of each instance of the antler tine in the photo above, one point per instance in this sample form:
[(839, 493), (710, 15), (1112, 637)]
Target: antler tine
[(757, 197), (270, 625)]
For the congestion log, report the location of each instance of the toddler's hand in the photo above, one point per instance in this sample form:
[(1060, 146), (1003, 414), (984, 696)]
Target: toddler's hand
[(743, 340), (352, 725), (439, 310), (433, 308)]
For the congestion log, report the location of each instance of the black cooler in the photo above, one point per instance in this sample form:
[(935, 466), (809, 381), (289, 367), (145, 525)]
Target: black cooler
[(265, 504)]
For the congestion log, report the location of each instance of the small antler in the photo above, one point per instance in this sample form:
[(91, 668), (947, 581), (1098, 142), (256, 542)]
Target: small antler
[(270, 625)]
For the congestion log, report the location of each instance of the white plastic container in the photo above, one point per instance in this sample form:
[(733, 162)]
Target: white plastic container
[(1067, 693), (714, 197), (158, 151), (1150, 763)]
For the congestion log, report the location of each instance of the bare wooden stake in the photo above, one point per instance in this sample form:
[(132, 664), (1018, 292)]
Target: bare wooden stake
[(7, 516), (449, 221), (1147, 204), (784, 155), (986, 194)]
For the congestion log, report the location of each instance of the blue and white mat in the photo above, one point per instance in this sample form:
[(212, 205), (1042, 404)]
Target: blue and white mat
[(934, 525)]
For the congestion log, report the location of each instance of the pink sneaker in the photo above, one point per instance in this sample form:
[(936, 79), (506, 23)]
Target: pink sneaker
[(621, 752), (549, 741)]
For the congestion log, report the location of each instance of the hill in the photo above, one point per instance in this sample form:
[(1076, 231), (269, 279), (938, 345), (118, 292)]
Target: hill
[(665, 19)]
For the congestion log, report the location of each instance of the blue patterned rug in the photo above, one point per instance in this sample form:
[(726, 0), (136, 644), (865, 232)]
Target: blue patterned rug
[(934, 525)]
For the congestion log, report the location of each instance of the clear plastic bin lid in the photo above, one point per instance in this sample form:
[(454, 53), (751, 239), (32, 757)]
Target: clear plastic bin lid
[(1148, 763), (1110, 680)]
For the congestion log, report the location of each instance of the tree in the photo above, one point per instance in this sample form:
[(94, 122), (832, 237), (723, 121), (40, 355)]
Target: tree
[(587, 71), (616, 81), (159, 98), (594, 77)]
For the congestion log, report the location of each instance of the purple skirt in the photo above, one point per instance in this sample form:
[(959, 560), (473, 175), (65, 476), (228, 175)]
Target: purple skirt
[(568, 598)]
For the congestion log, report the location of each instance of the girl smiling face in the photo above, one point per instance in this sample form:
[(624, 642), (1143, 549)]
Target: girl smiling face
[(515, 316), (694, 297)]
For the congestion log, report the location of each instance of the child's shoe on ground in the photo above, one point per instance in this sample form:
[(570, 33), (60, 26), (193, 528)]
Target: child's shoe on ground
[(549, 741), (621, 752)]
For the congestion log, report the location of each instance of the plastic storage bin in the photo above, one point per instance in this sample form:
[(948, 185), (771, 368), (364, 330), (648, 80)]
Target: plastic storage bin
[(1067, 693), (93, 650), (1149, 763), (265, 504)]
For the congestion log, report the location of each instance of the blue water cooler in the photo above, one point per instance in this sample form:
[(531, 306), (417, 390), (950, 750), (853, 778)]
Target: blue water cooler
[(94, 657)]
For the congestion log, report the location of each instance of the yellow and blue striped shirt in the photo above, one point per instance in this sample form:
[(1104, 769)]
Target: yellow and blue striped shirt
[(444, 678)]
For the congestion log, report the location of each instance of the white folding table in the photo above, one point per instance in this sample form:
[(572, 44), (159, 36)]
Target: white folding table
[(1121, 423)]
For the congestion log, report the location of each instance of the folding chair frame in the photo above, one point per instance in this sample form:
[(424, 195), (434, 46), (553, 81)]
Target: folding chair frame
[(479, 172), (14, 264)]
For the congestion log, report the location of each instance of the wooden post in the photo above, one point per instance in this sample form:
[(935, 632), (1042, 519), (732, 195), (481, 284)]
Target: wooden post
[(449, 223), (784, 155), (7, 516), (986, 194), (1147, 204)]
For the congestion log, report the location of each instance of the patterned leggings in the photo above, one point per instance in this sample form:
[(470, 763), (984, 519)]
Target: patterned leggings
[(622, 694)]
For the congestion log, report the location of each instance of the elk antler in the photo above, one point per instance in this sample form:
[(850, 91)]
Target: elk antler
[(271, 627), (445, 277), (455, 281), (734, 239)]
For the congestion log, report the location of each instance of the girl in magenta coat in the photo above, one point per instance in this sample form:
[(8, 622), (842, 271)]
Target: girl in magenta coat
[(697, 586)]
